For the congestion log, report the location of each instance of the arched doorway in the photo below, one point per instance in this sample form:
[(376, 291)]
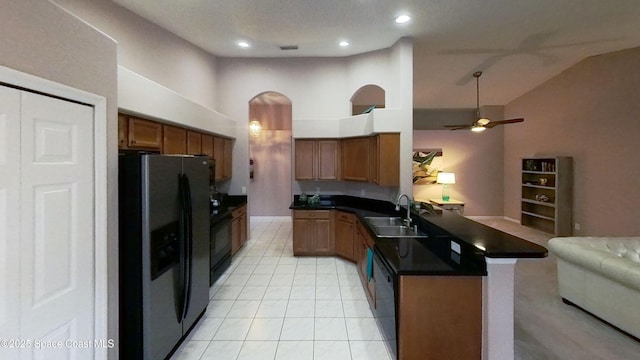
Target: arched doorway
[(270, 155)]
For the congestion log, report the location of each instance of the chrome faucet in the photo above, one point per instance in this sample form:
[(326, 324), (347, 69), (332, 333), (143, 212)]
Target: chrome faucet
[(407, 221)]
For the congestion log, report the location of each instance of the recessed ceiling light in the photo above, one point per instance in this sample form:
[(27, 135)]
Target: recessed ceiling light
[(344, 43), (243, 44), (403, 19)]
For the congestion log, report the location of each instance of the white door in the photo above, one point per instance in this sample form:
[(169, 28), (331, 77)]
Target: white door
[(56, 229)]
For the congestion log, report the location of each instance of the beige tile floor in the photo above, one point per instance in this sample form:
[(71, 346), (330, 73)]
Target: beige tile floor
[(271, 305)]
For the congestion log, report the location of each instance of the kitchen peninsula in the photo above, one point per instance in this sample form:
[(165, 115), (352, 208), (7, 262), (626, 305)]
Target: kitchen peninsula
[(457, 283)]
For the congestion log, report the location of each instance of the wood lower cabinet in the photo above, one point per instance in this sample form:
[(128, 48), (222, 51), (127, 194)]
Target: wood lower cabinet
[(174, 140), (439, 317), (144, 134), (238, 228), (345, 235), (313, 232), (355, 159), (362, 243)]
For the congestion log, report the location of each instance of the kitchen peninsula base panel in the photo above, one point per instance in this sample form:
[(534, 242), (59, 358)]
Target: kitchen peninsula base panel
[(440, 317)]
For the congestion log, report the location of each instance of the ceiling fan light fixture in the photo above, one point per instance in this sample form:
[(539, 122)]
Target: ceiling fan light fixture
[(483, 121), (402, 19), (478, 128)]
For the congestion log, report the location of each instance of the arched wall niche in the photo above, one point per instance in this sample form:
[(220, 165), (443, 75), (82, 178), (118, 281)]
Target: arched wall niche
[(366, 97), (270, 155)]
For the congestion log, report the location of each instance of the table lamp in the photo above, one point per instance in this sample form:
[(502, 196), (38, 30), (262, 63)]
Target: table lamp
[(445, 179)]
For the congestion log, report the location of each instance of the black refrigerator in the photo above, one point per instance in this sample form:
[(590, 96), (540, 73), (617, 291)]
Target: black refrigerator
[(163, 251)]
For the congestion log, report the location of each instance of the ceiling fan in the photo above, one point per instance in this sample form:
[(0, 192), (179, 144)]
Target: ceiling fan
[(482, 123)]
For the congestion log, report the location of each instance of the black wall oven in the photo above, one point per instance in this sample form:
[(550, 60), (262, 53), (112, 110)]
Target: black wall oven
[(220, 245)]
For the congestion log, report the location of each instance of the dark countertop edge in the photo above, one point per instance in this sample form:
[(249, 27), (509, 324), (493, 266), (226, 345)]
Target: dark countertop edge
[(381, 207), (232, 203)]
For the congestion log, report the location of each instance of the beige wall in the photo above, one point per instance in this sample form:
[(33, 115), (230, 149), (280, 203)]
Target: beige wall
[(590, 112), (152, 51), (476, 159), (41, 39)]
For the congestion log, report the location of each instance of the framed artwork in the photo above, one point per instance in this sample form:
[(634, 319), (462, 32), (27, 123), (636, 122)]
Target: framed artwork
[(427, 163)]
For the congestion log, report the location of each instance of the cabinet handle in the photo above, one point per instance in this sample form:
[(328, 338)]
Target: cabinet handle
[(133, 142)]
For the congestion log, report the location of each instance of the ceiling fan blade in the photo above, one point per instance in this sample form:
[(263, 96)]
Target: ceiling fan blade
[(503, 122), (458, 127)]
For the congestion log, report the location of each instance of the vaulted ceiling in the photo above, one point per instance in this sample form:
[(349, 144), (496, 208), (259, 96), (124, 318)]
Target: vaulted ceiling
[(518, 44)]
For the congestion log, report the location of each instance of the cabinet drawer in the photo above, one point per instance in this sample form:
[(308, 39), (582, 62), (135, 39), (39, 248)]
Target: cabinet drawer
[(312, 214), (345, 217)]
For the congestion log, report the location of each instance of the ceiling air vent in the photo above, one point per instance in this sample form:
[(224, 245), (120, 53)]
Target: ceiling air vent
[(289, 47)]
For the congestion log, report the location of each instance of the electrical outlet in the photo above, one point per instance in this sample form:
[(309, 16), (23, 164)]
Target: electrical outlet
[(362, 192), (455, 247), (317, 190), (576, 227), (244, 190)]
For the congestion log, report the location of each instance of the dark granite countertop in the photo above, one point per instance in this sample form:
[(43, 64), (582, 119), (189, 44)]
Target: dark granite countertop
[(231, 203), (432, 255)]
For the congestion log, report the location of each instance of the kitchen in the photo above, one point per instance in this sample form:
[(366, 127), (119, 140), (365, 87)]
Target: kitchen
[(84, 76)]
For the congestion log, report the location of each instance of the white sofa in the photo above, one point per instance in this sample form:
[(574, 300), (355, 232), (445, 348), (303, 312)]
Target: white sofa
[(602, 276)]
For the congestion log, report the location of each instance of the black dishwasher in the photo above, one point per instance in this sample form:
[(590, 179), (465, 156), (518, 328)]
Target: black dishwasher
[(385, 311)]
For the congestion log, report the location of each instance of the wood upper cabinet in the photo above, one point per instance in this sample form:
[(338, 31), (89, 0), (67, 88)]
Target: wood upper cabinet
[(313, 232), (228, 159), (206, 145), (174, 140), (305, 159), (355, 159), (223, 154), (385, 159), (144, 134), (327, 162), (123, 131), (194, 143), (316, 159), (345, 234)]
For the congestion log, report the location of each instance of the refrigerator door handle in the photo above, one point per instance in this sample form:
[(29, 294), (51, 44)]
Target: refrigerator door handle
[(189, 244), (183, 247)]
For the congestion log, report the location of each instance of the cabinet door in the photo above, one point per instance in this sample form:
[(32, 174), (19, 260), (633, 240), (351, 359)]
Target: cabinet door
[(174, 140), (144, 134), (218, 155), (327, 160), (388, 159), (194, 143), (344, 235), (206, 145), (373, 159), (355, 159), (302, 236), (305, 159), (243, 227), (235, 236), (323, 236), (228, 159), (123, 131)]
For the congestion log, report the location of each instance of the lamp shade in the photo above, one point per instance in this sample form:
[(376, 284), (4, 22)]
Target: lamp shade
[(446, 178)]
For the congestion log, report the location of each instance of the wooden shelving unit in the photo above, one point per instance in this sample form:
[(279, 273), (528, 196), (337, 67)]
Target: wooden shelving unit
[(547, 194)]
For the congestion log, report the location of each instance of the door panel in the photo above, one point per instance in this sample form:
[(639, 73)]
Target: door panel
[(9, 218), (57, 230)]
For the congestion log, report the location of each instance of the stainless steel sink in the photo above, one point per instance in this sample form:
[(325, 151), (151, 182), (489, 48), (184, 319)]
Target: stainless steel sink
[(384, 221), (398, 231)]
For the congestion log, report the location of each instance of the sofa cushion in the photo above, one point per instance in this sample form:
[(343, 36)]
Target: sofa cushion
[(617, 258)]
